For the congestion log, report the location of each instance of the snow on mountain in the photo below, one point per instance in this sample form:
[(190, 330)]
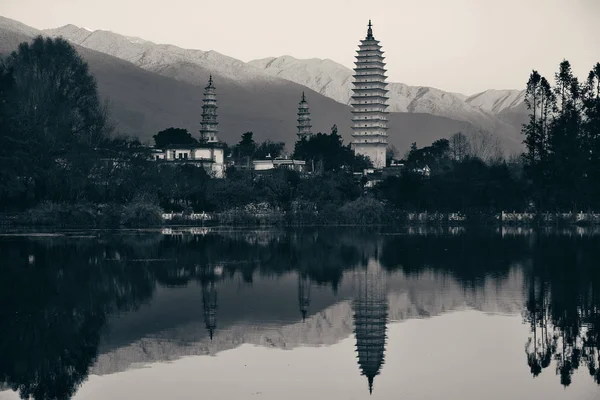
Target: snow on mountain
[(154, 57), (497, 101), (335, 81)]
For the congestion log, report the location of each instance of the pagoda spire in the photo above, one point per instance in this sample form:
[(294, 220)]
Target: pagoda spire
[(369, 115), (304, 125), (209, 125)]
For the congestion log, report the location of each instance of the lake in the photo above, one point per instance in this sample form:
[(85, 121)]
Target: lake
[(344, 313)]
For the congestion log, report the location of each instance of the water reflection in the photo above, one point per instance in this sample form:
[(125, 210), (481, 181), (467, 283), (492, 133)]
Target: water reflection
[(370, 308), (100, 305)]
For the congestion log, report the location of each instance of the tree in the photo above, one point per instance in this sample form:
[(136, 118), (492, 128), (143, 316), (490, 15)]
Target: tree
[(57, 96), (173, 136), (245, 149), (60, 121), (436, 156), (460, 147), (591, 134), (269, 148), (485, 146), (328, 153), (565, 144), (532, 129), (390, 154)]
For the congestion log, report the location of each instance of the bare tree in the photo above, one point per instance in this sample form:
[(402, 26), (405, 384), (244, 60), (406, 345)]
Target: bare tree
[(485, 146), (460, 147)]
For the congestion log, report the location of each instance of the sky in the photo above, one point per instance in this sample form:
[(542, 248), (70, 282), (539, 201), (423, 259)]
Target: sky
[(463, 46)]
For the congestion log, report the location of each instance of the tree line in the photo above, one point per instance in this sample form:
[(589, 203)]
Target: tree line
[(59, 147), (562, 137)]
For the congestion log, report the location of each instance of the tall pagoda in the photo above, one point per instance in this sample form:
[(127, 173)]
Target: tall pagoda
[(369, 115), (370, 308), (304, 126), (209, 126)]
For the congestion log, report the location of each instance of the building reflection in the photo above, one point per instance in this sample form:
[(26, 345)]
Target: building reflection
[(370, 308), (303, 294)]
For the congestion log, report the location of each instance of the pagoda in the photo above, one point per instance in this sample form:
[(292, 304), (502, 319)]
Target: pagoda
[(370, 308), (369, 115), (304, 126), (209, 125)]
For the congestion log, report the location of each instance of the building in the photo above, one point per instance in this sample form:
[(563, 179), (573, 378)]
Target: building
[(304, 124), (369, 115), (209, 152), (207, 155), (269, 164)]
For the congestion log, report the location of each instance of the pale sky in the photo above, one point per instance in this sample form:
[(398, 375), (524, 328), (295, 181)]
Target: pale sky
[(462, 46)]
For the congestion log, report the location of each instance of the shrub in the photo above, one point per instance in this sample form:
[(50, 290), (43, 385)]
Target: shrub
[(141, 213), (362, 211)]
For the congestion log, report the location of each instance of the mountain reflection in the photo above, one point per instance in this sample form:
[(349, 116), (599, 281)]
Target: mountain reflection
[(63, 299)]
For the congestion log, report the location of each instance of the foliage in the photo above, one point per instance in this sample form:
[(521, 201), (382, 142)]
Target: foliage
[(562, 137), (142, 212), (173, 136), (327, 153)]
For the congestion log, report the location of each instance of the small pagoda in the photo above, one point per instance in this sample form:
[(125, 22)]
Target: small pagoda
[(304, 126), (369, 115), (209, 126)]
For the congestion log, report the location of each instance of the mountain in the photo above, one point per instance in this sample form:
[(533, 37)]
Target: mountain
[(152, 86), (485, 110)]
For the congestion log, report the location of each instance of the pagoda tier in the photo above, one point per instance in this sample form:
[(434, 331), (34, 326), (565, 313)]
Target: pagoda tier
[(369, 122), (209, 126), (304, 126)]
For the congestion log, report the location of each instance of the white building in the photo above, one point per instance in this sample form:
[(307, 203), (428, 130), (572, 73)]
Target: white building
[(268, 164), (208, 155)]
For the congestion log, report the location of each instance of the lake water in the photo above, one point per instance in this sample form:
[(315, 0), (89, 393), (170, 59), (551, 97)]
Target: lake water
[(312, 313)]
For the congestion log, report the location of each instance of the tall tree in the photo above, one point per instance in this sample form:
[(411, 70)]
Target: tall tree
[(591, 134), (565, 144), (59, 115), (459, 146)]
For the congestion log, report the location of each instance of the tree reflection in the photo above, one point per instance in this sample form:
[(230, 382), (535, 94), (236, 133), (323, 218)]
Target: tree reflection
[(562, 306), (56, 295)]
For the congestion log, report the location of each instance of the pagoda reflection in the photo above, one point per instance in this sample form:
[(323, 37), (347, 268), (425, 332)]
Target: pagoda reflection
[(370, 309), (209, 284), (303, 294)]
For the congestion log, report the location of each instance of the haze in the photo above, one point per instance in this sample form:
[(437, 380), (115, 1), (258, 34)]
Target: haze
[(463, 46)]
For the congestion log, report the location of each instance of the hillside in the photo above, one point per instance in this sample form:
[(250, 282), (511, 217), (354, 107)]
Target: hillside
[(334, 80), (152, 87)]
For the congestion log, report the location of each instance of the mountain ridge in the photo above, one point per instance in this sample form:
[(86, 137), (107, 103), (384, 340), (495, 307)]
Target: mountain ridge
[(152, 87)]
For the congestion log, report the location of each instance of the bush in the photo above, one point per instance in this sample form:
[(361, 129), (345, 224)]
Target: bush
[(362, 211), (141, 213), (61, 214)]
